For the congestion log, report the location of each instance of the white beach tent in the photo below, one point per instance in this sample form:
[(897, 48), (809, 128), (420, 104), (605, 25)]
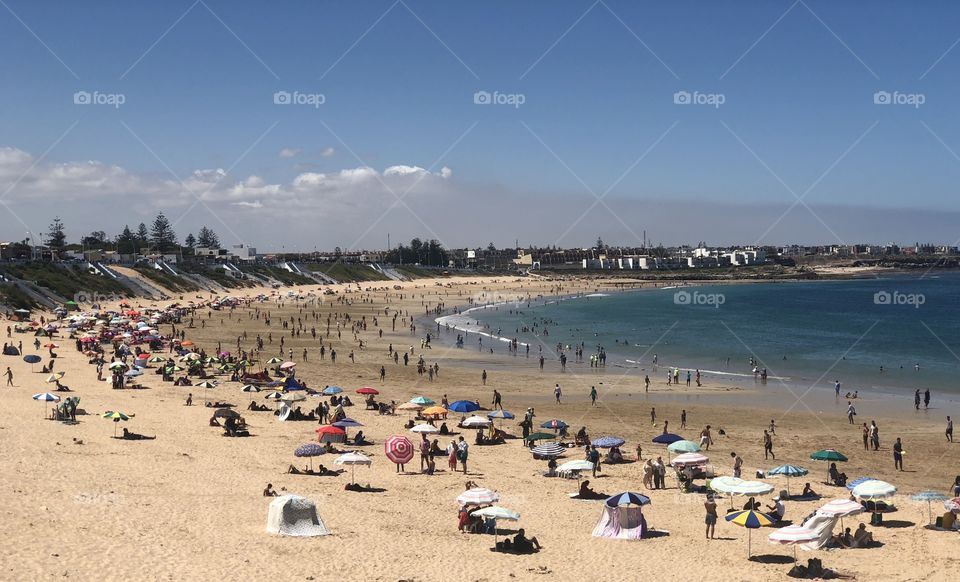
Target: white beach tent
[(292, 515), (622, 523)]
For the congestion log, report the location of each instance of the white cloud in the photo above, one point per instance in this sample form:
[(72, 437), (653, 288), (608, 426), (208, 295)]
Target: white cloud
[(289, 152), (327, 152)]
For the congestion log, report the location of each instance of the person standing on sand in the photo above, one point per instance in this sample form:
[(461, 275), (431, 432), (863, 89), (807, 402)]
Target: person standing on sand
[(705, 439), (557, 393), (768, 445), (483, 377), (866, 437), (898, 455), (646, 383), (9, 374), (683, 418), (851, 412), (926, 398), (653, 415), (462, 452), (593, 396), (949, 431), (497, 400), (711, 518), (737, 465), (452, 456), (916, 399), (875, 435)]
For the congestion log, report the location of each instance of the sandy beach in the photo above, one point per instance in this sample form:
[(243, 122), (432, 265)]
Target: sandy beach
[(188, 505)]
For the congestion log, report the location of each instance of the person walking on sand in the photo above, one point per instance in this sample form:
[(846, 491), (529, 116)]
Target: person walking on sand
[(710, 505), (646, 383), (593, 396), (916, 399), (452, 456), (768, 445), (483, 378), (557, 393), (737, 465), (705, 439), (949, 431), (851, 412), (9, 374), (683, 418), (898, 455), (653, 415), (497, 400), (926, 398)]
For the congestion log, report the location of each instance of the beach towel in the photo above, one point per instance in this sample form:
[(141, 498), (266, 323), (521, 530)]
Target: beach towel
[(823, 525)]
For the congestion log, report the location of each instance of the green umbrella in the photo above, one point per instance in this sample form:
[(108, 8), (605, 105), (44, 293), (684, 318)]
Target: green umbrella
[(829, 455), (539, 436)]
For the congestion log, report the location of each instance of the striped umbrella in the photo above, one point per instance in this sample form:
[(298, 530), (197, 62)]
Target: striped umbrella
[(309, 450), (477, 422), (608, 442), (410, 406), (274, 396), (751, 520), (116, 417), (627, 498), (205, 384), (684, 446), (549, 450), (398, 449), (251, 388), (690, 460), (874, 489), (841, 508), (478, 496), (929, 496), (857, 481), (46, 397), (793, 535), (274, 360), (425, 429), (54, 377), (500, 414), (352, 459), (788, 471)]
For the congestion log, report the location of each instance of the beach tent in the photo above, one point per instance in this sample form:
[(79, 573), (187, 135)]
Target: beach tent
[(623, 523), (292, 515)]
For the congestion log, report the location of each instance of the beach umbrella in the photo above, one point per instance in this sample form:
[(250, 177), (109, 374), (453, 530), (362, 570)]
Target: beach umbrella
[(627, 498), (793, 535), (540, 436), (690, 460), (735, 486), (477, 496), (421, 400), (683, 446), (46, 397), (133, 373), (331, 390), (292, 397), (274, 360), (205, 384), (156, 360), (250, 388), (841, 508), (667, 438), (352, 460), (288, 365), (829, 455), (464, 406), (226, 413), (577, 465), (952, 504), (116, 417), (434, 411), (496, 512), (549, 450), (398, 449), (309, 450), (788, 471), (367, 391), (186, 344), (852, 484), (476, 422), (117, 365), (32, 359), (500, 414), (54, 377), (410, 406), (608, 442), (751, 520), (929, 496), (873, 490), (425, 429), (347, 423), (555, 424), (274, 396), (331, 434)]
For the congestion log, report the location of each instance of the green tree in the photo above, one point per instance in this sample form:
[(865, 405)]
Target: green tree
[(190, 242), (143, 236), (97, 238), (162, 237), (56, 237), (206, 238), (127, 242)]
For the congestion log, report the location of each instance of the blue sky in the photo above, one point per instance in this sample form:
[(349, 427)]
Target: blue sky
[(598, 80)]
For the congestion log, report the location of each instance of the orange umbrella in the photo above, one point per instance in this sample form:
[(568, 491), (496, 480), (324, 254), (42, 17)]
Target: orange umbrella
[(186, 344), (434, 411)]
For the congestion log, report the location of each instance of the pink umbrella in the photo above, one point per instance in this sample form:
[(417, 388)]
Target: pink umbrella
[(287, 365), (792, 535), (478, 496), (399, 449), (689, 460)]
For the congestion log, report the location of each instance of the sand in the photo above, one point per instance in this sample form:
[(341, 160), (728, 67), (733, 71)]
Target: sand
[(188, 505)]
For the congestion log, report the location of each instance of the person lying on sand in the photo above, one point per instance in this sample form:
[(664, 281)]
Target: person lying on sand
[(520, 544), (132, 436)]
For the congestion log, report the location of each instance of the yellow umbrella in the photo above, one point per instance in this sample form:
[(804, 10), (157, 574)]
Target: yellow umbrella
[(434, 411)]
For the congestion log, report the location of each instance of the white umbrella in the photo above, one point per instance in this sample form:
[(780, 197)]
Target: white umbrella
[(874, 489), (425, 429), (476, 421), (690, 460), (841, 508), (352, 459), (496, 512), (549, 450), (793, 535), (478, 496), (46, 397), (735, 486)]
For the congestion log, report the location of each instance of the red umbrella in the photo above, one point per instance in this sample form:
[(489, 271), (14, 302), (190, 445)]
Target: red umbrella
[(328, 434), (399, 449), (366, 390)]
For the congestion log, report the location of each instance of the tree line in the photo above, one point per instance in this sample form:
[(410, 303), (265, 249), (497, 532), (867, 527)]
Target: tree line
[(159, 237)]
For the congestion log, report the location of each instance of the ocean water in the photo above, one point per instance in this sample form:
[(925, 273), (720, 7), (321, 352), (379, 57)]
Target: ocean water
[(806, 333)]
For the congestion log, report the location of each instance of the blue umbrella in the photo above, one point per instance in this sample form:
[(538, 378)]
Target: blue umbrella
[(788, 471), (554, 424), (929, 497), (309, 450), (32, 359), (667, 438), (856, 482), (500, 414), (608, 442), (627, 498), (464, 406), (331, 390), (346, 423)]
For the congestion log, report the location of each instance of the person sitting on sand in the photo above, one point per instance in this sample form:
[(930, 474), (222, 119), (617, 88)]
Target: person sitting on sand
[(614, 456), (586, 492), (862, 538), (359, 438), (551, 468), (808, 491), (836, 477), (132, 436), (843, 540), (777, 509), (269, 492), (581, 438), (522, 544), (752, 505)]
